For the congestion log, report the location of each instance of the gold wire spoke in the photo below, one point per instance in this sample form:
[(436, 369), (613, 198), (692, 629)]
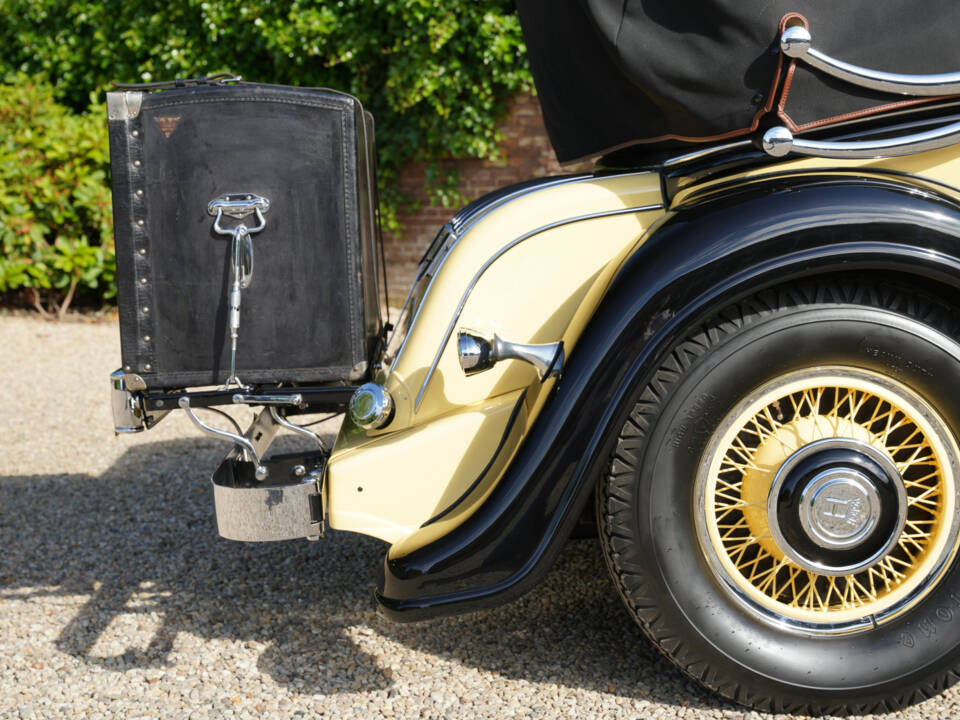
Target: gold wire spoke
[(777, 430)]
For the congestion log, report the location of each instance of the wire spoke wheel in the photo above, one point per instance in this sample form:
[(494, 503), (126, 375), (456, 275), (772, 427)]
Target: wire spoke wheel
[(827, 501), (781, 512)]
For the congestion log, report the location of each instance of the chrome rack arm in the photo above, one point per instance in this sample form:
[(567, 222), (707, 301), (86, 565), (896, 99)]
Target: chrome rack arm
[(298, 429), (779, 141), (260, 472), (796, 42)]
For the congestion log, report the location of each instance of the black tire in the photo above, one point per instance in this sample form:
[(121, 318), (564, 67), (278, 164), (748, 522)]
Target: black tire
[(646, 506)]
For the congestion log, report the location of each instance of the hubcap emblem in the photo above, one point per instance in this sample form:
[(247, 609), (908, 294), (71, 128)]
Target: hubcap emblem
[(842, 508)]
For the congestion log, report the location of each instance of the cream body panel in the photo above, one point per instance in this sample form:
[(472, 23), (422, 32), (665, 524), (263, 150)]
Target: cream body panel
[(542, 290), (536, 394), (529, 296), (533, 289), (391, 487)]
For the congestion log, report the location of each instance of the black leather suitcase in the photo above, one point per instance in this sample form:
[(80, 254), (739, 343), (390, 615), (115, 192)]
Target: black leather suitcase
[(299, 161)]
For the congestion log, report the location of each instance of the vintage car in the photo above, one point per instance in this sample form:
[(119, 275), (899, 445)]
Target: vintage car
[(736, 339)]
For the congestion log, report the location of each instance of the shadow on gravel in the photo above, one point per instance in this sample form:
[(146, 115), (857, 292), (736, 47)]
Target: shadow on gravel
[(142, 538)]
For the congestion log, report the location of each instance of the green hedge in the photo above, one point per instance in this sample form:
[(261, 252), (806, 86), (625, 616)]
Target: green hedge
[(56, 220), (435, 73)]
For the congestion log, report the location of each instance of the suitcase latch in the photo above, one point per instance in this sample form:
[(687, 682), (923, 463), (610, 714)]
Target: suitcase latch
[(238, 206)]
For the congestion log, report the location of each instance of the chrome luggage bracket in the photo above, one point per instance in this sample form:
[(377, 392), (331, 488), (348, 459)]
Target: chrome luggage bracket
[(284, 500), (289, 507), (250, 450), (796, 42)]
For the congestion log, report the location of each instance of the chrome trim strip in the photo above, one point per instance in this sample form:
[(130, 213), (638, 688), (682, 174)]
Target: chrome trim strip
[(796, 41), (448, 242), (702, 153), (472, 219), (779, 141), (496, 256)]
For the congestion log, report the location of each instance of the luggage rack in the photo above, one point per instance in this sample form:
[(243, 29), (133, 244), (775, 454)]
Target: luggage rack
[(256, 498), (297, 399), (137, 411)]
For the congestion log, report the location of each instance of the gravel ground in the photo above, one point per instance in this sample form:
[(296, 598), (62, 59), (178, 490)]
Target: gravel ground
[(118, 599)]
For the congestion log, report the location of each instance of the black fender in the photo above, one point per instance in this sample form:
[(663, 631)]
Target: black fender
[(704, 256)]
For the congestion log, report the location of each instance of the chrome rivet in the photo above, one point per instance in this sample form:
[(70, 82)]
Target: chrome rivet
[(145, 309), (139, 193), (126, 368), (139, 223), (143, 251), (136, 163), (146, 338), (148, 366), (143, 281), (136, 133)]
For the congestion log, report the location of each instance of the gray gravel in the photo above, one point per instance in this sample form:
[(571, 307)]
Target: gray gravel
[(118, 599)]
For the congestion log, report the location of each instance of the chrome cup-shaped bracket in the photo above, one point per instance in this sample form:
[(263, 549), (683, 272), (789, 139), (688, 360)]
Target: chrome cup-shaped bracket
[(475, 353)]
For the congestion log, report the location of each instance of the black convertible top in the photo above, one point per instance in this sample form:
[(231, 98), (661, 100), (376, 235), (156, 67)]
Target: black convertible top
[(614, 73)]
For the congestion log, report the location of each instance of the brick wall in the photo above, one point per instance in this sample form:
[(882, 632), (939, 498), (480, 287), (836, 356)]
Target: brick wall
[(527, 154)]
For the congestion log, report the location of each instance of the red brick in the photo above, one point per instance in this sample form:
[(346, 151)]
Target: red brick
[(526, 153)]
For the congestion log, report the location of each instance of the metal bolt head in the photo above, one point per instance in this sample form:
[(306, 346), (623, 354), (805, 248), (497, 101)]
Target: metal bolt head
[(146, 338), (139, 223), (136, 163), (777, 141), (139, 193), (136, 133), (143, 251), (299, 471), (148, 366), (143, 281), (144, 309)]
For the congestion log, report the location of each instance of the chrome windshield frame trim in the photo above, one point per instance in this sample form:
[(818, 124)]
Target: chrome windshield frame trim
[(796, 42), (496, 256)]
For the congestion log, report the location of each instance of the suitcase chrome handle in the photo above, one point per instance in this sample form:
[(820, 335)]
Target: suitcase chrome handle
[(779, 141), (238, 205), (796, 42)]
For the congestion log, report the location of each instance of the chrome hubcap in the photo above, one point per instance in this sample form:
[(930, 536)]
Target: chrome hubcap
[(828, 501), (836, 506)]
